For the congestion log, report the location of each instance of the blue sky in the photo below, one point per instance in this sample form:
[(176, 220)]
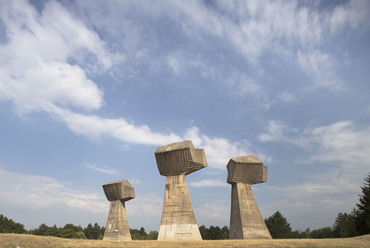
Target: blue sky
[(89, 90)]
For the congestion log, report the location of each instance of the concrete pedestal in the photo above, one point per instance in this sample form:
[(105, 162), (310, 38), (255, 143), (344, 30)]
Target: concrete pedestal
[(117, 226), (178, 220), (246, 221)]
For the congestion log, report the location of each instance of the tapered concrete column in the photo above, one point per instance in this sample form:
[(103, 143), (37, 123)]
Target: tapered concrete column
[(175, 161), (118, 192), (246, 221)]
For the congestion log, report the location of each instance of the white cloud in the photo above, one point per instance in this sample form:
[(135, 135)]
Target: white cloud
[(37, 73), (275, 132), (174, 63), (102, 169), (220, 150), (319, 66), (209, 183), (216, 211), (95, 127), (252, 27), (260, 27), (39, 192), (331, 192), (342, 141), (149, 204), (52, 82), (354, 14), (287, 97), (145, 210), (342, 150)]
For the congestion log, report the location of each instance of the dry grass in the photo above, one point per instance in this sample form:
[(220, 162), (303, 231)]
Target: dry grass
[(28, 241)]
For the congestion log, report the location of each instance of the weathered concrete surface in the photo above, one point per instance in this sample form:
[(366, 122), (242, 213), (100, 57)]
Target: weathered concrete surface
[(175, 161), (178, 219), (246, 221), (117, 192), (246, 169), (179, 158)]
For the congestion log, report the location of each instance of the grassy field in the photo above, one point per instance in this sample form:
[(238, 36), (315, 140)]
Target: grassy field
[(28, 241)]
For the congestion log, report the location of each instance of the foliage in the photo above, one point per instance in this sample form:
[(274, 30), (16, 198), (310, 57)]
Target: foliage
[(70, 231), (300, 234), (322, 233), (214, 232), (94, 232), (278, 226), (142, 235), (10, 226), (362, 213), (344, 226), (153, 235)]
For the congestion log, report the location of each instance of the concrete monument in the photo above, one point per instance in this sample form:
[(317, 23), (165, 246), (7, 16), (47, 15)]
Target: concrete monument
[(246, 221), (175, 161), (118, 192)]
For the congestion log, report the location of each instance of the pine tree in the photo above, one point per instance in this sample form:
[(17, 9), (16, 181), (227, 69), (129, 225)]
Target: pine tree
[(344, 226), (278, 226), (362, 213), (96, 231), (9, 226), (89, 231)]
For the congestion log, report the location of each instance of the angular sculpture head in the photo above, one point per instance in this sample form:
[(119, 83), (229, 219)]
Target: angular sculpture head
[(246, 169), (179, 158), (119, 190)]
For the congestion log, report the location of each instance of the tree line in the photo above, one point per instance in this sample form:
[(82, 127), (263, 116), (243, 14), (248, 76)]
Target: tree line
[(69, 231), (345, 225)]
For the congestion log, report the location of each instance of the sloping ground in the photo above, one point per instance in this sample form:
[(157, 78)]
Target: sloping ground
[(30, 241)]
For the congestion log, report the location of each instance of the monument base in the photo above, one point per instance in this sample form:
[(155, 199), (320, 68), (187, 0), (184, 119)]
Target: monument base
[(178, 220), (246, 221), (117, 226)]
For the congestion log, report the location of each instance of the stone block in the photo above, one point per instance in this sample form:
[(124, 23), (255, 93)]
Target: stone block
[(119, 190), (179, 158), (246, 169)]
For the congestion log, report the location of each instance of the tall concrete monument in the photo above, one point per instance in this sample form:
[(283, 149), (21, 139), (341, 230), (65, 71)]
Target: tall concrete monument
[(175, 161), (246, 221), (118, 192)]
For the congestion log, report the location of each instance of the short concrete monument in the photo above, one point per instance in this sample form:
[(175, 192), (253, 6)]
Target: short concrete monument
[(246, 221), (175, 161), (118, 192)]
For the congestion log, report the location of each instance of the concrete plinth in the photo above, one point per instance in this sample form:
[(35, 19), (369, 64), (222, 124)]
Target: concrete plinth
[(117, 193), (175, 161), (178, 219), (246, 221)]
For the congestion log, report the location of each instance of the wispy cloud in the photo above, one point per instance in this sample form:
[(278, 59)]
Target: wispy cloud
[(102, 169), (342, 149), (342, 141), (352, 15), (321, 67), (38, 192), (275, 132), (94, 127), (220, 150), (209, 183), (213, 212)]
